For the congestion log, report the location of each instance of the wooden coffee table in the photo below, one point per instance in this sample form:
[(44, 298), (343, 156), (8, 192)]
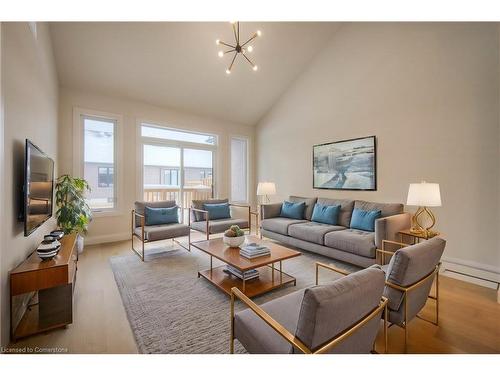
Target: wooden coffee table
[(270, 277)]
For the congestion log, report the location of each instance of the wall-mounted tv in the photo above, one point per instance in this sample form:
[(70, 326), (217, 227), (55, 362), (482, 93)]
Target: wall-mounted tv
[(38, 187)]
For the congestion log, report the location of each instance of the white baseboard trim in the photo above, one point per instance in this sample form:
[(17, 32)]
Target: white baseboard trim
[(95, 240), (483, 271)]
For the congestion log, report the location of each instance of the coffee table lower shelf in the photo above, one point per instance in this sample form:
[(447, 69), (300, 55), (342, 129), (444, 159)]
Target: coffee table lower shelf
[(264, 283)]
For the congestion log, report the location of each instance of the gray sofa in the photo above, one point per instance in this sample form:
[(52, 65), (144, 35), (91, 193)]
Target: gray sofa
[(336, 241)]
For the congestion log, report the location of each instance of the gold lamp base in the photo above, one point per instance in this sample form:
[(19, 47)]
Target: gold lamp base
[(417, 228)]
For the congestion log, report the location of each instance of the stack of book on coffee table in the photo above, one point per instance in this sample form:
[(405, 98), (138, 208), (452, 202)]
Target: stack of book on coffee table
[(247, 275), (254, 250)]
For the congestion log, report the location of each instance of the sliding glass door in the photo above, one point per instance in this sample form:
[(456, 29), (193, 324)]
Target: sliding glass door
[(161, 173), (173, 169)]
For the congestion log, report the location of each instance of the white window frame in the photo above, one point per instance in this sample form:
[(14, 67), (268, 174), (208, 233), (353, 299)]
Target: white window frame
[(78, 154), (230, 174), (141, 141)]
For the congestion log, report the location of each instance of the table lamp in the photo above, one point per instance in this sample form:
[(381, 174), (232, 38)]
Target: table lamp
[(423, 195), (266, 189)]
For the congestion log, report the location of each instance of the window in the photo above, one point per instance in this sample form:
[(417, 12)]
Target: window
[(151, 131), (99, 161), (171, 177), (239, 169), (176, 164), (105, 177)]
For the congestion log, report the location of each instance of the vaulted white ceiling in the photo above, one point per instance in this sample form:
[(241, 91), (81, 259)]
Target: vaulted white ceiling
[(175, 64)]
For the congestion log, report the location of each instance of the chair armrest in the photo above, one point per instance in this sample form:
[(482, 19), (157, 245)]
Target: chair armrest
[(328, 267), (191, 210), (135, 214), (402, 244), (239, 205), (282, 331), (270, 210), (387, 228)]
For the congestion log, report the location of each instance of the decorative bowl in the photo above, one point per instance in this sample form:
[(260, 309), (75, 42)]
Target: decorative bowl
[(233, 241)]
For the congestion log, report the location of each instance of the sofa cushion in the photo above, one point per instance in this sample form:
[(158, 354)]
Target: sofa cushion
[(279, 224), (217, 210), (139, 207), (293, 210), (162, 232), (329, 309), (312, 231), (388, 209), (198, 204), (310, 202), (161, 215), (257, 337), (325, 214), (364, 220), (353, 241), (346, 207), (218, 226)]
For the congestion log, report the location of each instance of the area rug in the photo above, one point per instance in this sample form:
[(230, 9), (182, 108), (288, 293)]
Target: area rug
[(171, 310)]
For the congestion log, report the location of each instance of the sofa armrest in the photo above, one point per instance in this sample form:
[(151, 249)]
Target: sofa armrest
[(270, 210), (387, 228)]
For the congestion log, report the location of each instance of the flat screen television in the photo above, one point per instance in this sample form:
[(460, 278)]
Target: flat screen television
[(38, 187)]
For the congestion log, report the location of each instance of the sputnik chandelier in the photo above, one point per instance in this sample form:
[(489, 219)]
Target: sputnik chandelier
[(238, 47)]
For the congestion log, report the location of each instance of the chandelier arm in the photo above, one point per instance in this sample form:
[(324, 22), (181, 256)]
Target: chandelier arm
[(249, 40), (232, 62), (234, 31), (227, 45), (250, 61), (229, 51), (238, 32)]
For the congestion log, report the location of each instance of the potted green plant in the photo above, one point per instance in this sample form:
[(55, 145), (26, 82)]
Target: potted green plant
[(73, 213)]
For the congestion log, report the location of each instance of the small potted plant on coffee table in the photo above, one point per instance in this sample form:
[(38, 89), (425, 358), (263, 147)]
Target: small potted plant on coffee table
[(234, 236)]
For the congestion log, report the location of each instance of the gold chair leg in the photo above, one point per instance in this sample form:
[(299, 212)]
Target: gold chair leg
[(231, 342), (405, 326), (386, 349), (437, 297)]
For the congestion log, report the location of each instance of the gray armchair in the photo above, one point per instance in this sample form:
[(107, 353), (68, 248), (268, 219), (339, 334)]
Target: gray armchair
[(339, 317), (409, 278), (199, 219), (149, 233)]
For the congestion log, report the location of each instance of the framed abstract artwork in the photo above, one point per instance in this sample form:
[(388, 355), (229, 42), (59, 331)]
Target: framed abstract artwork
[(346, 165)]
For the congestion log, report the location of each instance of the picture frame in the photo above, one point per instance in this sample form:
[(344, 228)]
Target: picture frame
[(349, 164)]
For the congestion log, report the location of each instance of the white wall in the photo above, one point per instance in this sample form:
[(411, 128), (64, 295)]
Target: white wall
[(114, 228), (430, 93), (30, 90)]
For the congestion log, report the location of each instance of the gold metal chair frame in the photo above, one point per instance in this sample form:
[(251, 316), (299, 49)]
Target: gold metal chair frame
[(406, 290), (291, 338), (144, 241), (207, 218)]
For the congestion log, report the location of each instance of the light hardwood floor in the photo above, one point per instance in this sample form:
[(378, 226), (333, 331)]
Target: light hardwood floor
[(469, 316)]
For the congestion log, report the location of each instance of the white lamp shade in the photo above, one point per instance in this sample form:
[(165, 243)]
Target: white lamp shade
[(266, 188), (424, 194)]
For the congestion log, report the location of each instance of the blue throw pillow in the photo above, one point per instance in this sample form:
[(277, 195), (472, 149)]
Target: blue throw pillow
[(364, 220), (293, 210), (217, 210), (161, 215), (325, 214)]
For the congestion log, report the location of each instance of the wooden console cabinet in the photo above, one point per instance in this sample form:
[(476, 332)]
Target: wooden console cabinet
[(41, 292)]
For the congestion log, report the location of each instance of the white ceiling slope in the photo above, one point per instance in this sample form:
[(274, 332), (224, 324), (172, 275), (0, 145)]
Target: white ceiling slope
[(175, 64)]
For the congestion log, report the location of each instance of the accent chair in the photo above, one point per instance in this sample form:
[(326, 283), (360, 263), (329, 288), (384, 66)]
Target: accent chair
[(342, 316), (200, 221), (149, 233), (409, 278)]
